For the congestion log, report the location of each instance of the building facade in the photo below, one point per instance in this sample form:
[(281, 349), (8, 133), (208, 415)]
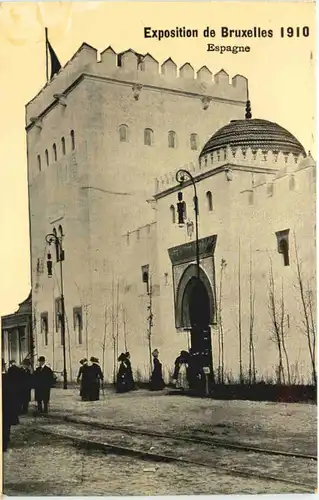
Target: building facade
[(98, 135), (17, 341)]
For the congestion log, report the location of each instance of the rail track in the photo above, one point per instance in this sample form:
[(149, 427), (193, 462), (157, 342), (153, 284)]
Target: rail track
[(288, 468)]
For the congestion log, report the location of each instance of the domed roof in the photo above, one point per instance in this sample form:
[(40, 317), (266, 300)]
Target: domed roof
[(255, 134)]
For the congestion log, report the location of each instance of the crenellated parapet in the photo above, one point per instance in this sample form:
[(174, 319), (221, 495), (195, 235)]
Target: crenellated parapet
[(266, 167), (141, 71)]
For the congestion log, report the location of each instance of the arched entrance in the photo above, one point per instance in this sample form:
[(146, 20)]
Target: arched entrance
[(197, 307)]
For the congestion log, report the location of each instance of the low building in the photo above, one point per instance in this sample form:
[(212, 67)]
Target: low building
[(16, 333)]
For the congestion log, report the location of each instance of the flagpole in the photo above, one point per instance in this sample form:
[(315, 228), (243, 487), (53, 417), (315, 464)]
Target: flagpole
[(46, 54)]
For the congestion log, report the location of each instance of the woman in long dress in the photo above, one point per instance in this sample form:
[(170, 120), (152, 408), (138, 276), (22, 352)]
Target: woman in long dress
[(182, 375), (156, 383), (122, 375)]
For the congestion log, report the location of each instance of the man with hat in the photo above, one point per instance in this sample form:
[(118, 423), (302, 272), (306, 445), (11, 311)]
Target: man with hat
[(95, 376), (83, 379), (9, 408), (43, 381)]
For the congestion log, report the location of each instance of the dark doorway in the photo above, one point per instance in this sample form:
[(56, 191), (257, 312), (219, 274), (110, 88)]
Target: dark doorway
[(197, 304)]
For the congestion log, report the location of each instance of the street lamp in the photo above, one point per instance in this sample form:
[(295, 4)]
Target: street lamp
[(53, 238), (182, 176)]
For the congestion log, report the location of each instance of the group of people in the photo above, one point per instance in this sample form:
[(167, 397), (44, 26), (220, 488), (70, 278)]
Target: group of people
[(90, 378), (125, 381), (17, 383), (188, 372)]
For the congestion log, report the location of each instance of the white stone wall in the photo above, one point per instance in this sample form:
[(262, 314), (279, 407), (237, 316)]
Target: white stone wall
[(98, 192)]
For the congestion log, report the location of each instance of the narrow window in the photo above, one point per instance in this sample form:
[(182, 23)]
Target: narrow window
[(55, 156), (58, 317), (184, 210), (148, 137), (173, 213), (63, 145), (292, 183), (72, 139), (172, 139), (78, 324), (123, 131), (209, 199), (39, 162), (145, 276), (194, 142), (47, 157), (283, 245), (45, 328)]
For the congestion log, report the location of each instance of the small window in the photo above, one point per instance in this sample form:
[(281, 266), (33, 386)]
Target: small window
[(194, 142), (146, 276), (47, 157), (283, 245), (55, 156), (184, 210), (45, 328), (123, 131), (78, 324), (172, 141), (173, 214), (39, 162), (58, 316), (209, 199), (292, 183), (72, 139), (148, 137), (63, 145)]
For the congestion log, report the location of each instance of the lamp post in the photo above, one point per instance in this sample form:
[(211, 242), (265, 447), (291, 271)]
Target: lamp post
[(182, 176), (53, 238)]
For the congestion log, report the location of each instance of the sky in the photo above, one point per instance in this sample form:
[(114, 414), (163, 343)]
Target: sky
[(280, 71)]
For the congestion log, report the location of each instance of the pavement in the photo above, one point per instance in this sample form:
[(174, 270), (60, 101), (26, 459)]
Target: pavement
[(40, 465), (290, 427)]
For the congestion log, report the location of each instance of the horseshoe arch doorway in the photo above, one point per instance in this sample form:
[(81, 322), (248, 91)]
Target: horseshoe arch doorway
[(195, 312)]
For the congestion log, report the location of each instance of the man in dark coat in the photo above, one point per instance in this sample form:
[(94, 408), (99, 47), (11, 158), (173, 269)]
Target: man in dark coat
[(15, 381), (83, 379), (26, 385), (9, 408), (95, 378), (43, 381)]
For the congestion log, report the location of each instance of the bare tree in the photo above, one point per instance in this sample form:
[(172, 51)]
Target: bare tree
[(239, 317), (220, 376), (307, 303), (252, 362), (104, 339), (124, 328), (277, 323), (150, 321), (283, 332), (113, 333)]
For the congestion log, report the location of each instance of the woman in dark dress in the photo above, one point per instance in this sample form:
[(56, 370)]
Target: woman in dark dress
[(95, 379), (83, 379), (156, 383), (122, 375), (130, 379)]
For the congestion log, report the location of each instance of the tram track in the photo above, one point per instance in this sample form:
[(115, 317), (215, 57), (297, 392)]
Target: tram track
[(249, 462), (155, 434)]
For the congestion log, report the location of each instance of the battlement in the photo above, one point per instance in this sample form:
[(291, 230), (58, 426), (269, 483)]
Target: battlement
[(139, 234), (226, 158), (139, 70)]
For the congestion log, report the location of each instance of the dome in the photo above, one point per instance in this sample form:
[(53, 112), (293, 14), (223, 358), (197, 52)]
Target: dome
[(255, 134)]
